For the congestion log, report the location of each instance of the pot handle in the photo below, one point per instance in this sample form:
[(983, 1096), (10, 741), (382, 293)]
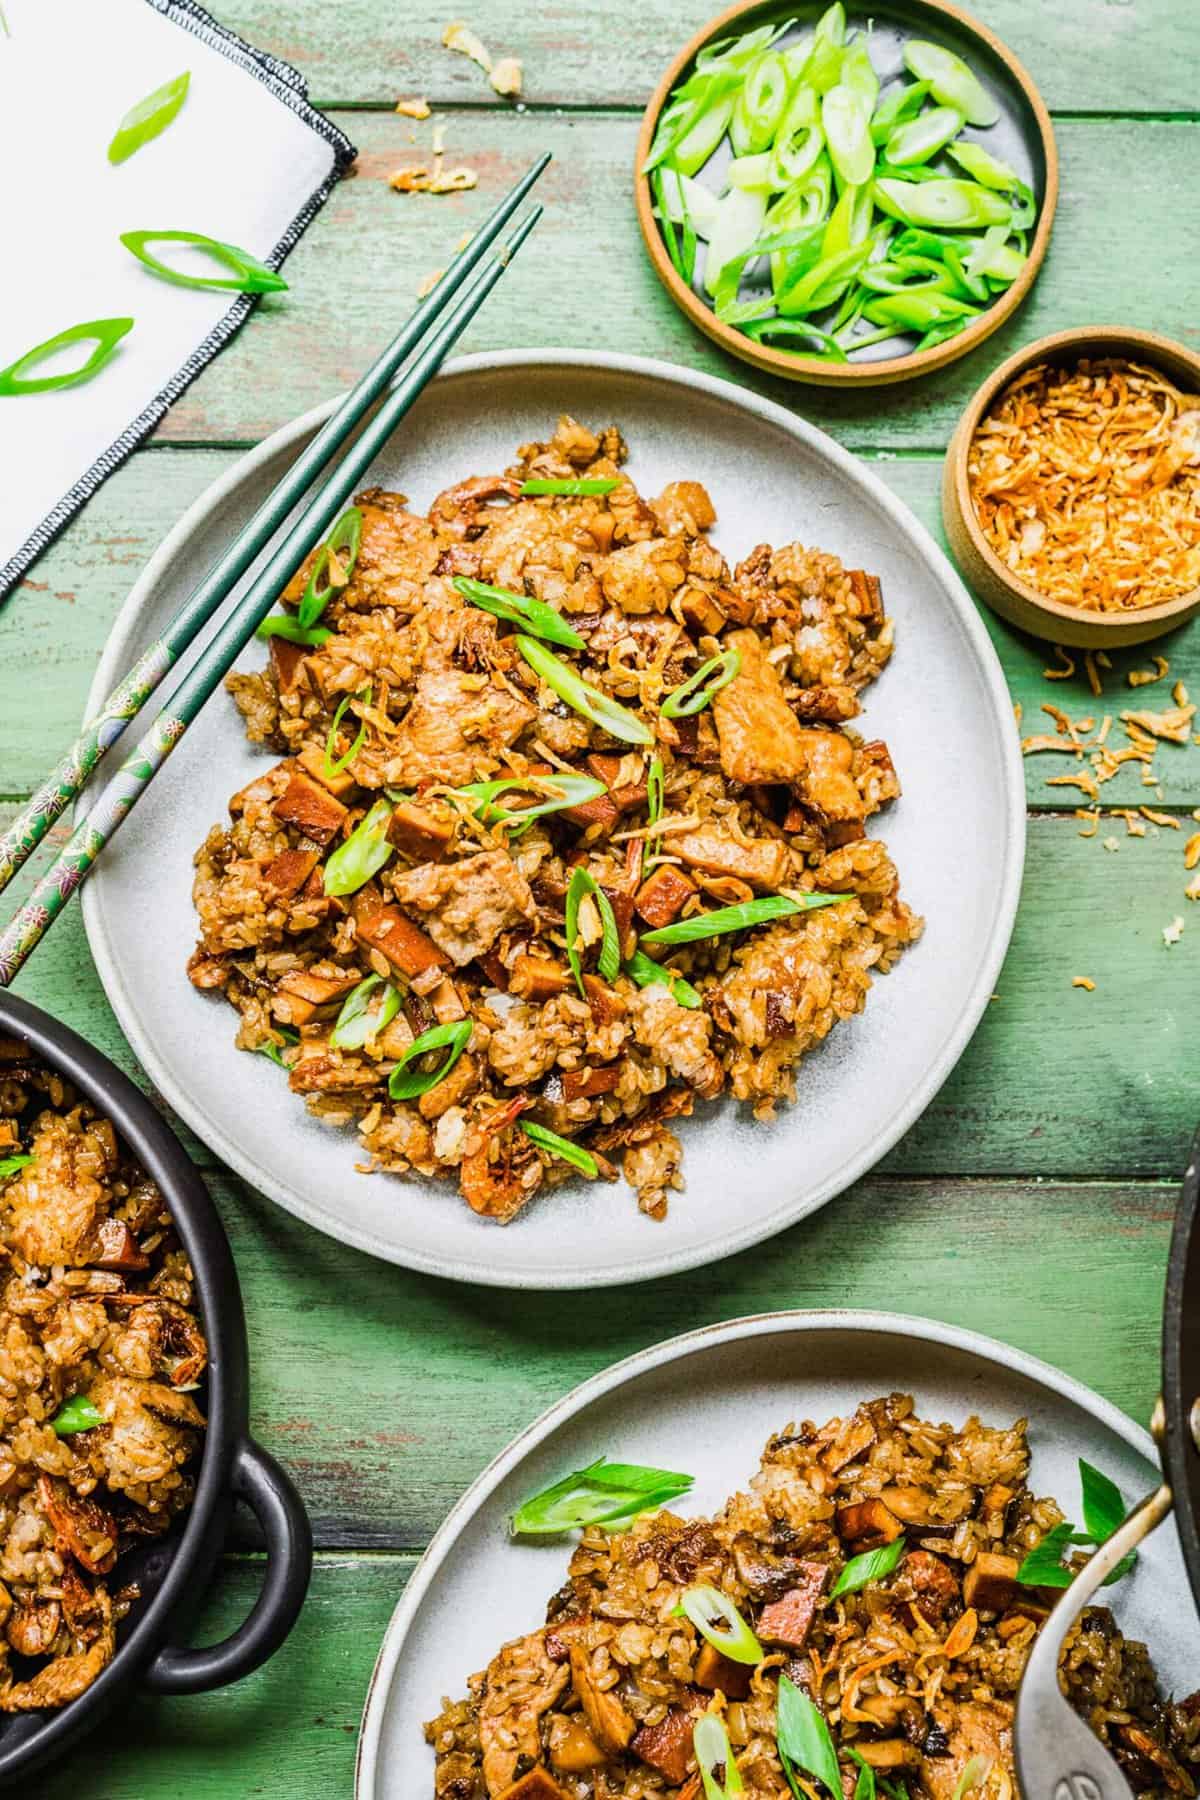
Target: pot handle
[(259, 1480)]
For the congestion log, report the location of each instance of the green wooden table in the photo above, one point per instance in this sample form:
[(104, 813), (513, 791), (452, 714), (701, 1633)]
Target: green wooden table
[(1034, 1199)]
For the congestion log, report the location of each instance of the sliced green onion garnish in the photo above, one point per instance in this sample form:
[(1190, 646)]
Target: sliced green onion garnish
[(717, 1618), (617, 720), (1103, 1512), (362, 855), (355, 1023), (334, 566), (647, 973), (580, 488), (283, 625), (804, 1739), (454, 1037), (562, 1147), (12, 1165), (250, 276), (562, 791), (107, 334), (150, 116), (872, 1565), (580, 885), (598, 1495), (738, 918), (78, 1414), (1043, 1567), (866, 1787), (697, 692), (331, 766), (656, 796), (518, 609), (272, 1051), (715, 1759), (973, 1777)]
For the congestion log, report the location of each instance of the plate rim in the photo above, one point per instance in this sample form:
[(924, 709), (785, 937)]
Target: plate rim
[(667, 1260), (656, 1356)]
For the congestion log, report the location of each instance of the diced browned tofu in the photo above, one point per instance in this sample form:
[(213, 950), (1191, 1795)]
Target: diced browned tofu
[(868, 593), (763, 862), (536, 977), (663, 895), (826, 778), (759, 735), (465, 905), (602, 812), (8, 1134), (118, 1247), (448, 1092), (310, 807), (715, 1671), (384, 928), (625, 796), (832, 705), (667, 1746), (287, 873), (585, 1084), (788, 1620), (622, 905), (312, 761), (605, 1003), (611, 1725), (991, 1582), (286, 658), (701, 611), (573, 1749), (993, 1508), (446, 1002), (684, 507), (866, 1523), (301, 993), (538, 1784), (418, 833)]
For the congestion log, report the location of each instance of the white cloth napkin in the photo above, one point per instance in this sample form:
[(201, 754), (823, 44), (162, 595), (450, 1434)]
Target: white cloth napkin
[(247, 160)]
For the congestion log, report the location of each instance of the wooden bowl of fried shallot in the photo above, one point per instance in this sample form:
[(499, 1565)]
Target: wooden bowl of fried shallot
[(1071, 489)]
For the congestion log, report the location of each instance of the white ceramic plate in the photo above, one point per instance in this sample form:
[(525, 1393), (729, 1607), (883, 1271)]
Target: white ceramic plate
[(957, 836), (707, 1403)]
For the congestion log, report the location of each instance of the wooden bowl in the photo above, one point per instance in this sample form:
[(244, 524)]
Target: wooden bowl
[(1012, 598), (1025, 138)]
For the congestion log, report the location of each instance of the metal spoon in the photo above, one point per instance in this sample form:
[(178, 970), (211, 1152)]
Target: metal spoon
[(1058, 1756)]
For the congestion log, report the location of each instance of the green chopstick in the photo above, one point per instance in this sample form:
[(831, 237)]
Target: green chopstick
[(56, 887), (63, 784)]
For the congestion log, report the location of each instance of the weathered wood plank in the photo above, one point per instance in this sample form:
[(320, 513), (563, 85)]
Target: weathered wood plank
[(385, 1393), (301, 346), (298, 1715), (610, 53), (54, 627)]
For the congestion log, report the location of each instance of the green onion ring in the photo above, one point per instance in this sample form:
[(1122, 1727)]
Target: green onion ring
[(564, 791), (738, 918), (563, 1148), (580, 488), (343, 543), (362, 855), (355, 1024), (717, 1618), (284, 626), (710, 1740), (250, 276), (455, 1037), (611, 717), (519, 609), (583, 883), (107, 333), (692, 695), (329, 766)]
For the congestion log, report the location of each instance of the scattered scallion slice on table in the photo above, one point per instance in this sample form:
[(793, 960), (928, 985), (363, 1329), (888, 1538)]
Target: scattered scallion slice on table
[(579, 487), (804, 1740), (698, 691), (561, 792), (720, 1623), (333, 568), (406, 1083), (737, 918), (77, 1414), (583, 885), (332, 765), (148, 117), (284, 626), (605, 1493), (107, 333), (561, 1147), (533, 615), (647, 973), (363, 854), (816, 148), (872, 1565), (359, 1020), (12, 1165), (715, 1759), (248, 275), (604, 712)]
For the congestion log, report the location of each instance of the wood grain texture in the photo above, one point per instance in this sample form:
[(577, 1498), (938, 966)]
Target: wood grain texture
[(316, 338), (1094, 55), (56, 622), (291, 1728)]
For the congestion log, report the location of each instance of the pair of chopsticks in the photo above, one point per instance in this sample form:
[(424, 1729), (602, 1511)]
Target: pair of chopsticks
[(427, 338)]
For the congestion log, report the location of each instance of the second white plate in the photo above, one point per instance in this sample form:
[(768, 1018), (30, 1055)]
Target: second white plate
[(957, 836)]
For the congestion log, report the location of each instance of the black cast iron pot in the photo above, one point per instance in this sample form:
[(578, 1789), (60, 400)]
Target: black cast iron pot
[(174, 1573)]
